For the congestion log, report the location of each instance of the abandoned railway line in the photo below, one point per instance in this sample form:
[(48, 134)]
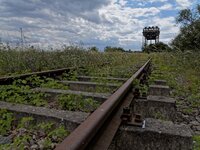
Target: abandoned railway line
[(113, 112)]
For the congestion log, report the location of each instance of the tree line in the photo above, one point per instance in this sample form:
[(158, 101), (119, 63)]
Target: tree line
[(109, 49), (188, 37)]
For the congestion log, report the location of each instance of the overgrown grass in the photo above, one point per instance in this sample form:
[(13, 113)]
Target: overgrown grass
[(196, 140), (182, 72), (25, 133), (21, 92), (16, 61), (77, 103)]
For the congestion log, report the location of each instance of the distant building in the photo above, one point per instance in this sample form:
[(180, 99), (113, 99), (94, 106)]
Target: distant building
[(150, 34)]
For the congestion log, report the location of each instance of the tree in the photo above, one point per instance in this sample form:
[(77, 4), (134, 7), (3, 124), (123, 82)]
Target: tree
[(113, 49), (93, 49), (185, 17), (158, 47), (189, 36)]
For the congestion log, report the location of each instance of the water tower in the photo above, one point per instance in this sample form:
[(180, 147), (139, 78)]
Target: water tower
[(150, 34)]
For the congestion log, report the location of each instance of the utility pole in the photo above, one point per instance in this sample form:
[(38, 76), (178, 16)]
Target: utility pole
[(22, 41), (1, 43)]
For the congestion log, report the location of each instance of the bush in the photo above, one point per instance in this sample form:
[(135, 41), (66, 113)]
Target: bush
[(158, 47)]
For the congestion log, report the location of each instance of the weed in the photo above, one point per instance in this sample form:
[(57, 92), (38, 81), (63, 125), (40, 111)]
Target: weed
[(21, 94), (25, 122), (159, 115), (188, 111), (100, 89), (196, 141), (77, 103), (181, 71), (58, 134), (6, 119), (51, 83), (45, 127), (71, 75), (143, 89), (27, 129), (20, 142)]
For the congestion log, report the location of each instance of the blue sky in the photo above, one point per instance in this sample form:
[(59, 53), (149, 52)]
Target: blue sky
[(88, 22)]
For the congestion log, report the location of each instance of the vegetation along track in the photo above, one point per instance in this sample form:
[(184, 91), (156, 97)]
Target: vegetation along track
[(98, 130), (39, 109)]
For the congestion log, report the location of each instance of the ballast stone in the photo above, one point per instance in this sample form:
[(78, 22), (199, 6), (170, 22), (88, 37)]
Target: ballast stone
[(5, 139)]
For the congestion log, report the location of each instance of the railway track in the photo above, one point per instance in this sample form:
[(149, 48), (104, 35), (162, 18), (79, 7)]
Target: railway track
[(98, 130), (97, 126), (63, 110)]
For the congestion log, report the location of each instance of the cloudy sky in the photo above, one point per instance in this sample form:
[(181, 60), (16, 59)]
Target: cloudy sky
[(88, 22)]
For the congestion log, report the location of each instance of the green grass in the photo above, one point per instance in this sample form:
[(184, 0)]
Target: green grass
[(6, 119), (159, 115), (22, 95), (196, 140), (182, 72), (77, 103), (21, 92), (16, 61), (25, 132)]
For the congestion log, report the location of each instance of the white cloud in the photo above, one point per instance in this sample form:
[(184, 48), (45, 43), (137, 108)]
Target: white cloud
[(122, 2), (184, 3), (144, 2), (166, 7), (127, 24), (156, 1), (100, 22)]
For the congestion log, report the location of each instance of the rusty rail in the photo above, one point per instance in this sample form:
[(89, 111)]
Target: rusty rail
[(81, 137), (48, 73)]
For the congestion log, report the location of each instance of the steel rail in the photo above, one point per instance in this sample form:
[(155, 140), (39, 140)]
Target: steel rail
[(48, 73), (84, 133)]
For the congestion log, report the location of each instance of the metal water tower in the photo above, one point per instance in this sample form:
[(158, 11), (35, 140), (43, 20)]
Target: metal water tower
[(151, 34)]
